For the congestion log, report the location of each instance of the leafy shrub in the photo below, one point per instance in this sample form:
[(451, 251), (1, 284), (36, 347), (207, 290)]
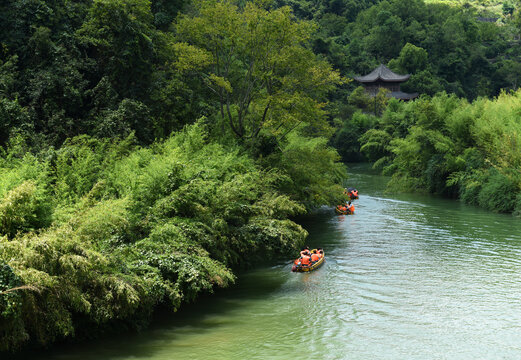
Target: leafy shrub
[(142, 227), (73, 279), (453, 147), (346, 140), (11, 326), (498, 193), (313, 169), (22, 210), (375, 144)]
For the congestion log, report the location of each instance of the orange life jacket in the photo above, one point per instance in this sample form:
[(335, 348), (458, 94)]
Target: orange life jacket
[(315, 257), (352, 209), (305, 260), (355, 193)]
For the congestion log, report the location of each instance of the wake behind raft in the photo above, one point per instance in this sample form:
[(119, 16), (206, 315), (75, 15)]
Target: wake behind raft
[(305, 263)]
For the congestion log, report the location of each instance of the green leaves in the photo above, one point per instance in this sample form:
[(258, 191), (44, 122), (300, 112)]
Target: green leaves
[(136, 227), (122, 33), (11, 327), (314, 171), (19, 210), (375, 144), (412, 59), (106, 230), (452, 147), (260, 68)]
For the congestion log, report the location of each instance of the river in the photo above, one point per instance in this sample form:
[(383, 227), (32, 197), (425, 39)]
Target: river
[(406, 277)]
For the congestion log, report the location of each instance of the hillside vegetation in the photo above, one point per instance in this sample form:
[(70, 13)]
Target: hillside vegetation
[(143, 161)]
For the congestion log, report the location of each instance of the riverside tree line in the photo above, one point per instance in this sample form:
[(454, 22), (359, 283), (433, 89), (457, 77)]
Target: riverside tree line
[(143, 160)]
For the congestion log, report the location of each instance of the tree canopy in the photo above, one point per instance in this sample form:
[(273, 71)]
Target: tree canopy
[(258, 66)]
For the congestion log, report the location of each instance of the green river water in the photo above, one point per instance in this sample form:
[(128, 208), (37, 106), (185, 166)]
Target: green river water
[(407, 277)]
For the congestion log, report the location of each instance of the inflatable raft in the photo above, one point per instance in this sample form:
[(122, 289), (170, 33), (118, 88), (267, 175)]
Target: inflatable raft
[(352, 193), (301, 268), (342, 212)]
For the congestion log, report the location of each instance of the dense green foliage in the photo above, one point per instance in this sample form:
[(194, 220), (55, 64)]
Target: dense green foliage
[(145, 155), (443, 46), (254, 62), (446, 145), (134, 227), (148, 149), (112, 67), (446, 45), (96, 67)]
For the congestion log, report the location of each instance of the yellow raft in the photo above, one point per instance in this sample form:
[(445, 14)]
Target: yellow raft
[(301, 268), (342, 212)]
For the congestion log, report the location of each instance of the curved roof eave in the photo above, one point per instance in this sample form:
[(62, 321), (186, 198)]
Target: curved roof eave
[(382, 73)]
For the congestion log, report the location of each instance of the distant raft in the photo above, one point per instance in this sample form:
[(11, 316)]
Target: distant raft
[(352, 193), (340, 211), (297, 267)]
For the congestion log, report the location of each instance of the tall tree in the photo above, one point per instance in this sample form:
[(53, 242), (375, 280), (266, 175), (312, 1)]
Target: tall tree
[(258, 66)]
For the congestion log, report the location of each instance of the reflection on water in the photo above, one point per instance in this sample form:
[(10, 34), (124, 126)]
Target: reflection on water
[(407, 277)]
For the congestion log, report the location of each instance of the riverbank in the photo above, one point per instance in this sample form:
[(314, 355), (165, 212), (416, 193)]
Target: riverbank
[(414, 276), (104, 233), (448, 146)]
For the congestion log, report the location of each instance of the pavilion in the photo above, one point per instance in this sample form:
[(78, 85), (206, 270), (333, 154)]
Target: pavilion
[(383, 77)]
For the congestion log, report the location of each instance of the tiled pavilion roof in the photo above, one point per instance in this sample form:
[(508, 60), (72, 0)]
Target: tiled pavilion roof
[(382, 73)]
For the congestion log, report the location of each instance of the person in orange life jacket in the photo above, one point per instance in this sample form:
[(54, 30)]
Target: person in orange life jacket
[(315, 256), (305, 260), (351, 192), (305, 250), (320, 252), (342, 208), (350, 207)]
